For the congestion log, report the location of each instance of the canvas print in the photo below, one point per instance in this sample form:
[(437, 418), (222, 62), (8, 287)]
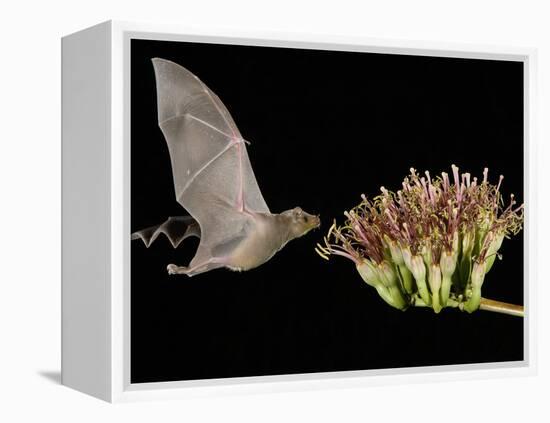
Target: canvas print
[(303, 211)]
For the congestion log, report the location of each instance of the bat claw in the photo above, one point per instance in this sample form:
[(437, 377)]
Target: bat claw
[(172, 269)]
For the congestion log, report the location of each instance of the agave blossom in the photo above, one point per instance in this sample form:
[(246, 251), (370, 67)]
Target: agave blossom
[(431, 242)]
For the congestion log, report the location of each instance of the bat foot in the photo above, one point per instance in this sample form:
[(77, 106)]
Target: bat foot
[(175, 270)]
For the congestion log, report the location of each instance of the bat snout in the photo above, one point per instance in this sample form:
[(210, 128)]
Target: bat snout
[(312, 221), (316, 221)]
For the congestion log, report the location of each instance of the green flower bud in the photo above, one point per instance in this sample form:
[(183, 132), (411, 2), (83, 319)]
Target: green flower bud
[(368, 272), (382, 279), (491, 255), (434, 279), (465, 267), (456, 245), (478, 274), (448, 263), (389, 276), (416, 266), (448, 266), (468, 239), (395, 251), (427, 254)]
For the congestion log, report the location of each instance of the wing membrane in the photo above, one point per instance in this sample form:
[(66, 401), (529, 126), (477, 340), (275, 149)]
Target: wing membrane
[(213, 177)]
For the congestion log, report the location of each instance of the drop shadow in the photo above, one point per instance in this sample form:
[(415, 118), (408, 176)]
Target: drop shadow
[(53, 376)]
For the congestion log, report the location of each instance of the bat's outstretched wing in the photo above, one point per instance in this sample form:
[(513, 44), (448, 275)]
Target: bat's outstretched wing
[(213, 178)]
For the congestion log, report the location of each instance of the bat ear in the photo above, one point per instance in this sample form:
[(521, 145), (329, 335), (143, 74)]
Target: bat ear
[(297, 214)]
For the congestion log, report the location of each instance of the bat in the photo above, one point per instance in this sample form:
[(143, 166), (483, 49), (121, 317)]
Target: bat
[(214, 182)]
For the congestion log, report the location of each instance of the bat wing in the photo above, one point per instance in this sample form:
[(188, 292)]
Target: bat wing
[(213, 178), (175, 228)]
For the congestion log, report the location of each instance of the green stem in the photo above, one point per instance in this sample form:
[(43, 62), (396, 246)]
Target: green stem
[(501, 307), (485, 304)]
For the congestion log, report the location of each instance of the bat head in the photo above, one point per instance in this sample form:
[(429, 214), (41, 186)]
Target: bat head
[(301, 222)]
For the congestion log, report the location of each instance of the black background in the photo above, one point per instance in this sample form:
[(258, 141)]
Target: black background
[(325, 127)]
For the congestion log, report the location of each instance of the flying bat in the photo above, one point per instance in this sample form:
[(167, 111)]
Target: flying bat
[(214, 182)]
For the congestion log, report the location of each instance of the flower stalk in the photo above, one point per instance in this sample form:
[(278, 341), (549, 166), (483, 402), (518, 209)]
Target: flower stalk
[(431, 243)]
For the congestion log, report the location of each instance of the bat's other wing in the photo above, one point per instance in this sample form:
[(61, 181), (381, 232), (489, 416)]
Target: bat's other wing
[(213, 178), (175, 228)]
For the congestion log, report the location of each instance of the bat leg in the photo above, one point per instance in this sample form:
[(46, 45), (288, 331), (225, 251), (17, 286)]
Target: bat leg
[(210, 264), (174, 269)]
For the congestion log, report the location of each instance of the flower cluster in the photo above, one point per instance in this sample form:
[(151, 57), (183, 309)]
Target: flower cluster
[(430, 243)]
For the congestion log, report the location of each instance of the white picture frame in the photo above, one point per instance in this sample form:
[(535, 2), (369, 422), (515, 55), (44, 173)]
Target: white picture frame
[(96, 231)]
